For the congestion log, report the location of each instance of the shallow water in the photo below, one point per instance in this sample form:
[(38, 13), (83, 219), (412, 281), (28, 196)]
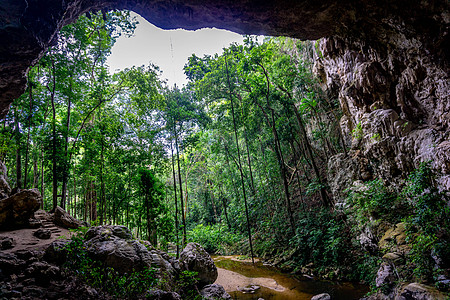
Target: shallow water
[(235, 275)]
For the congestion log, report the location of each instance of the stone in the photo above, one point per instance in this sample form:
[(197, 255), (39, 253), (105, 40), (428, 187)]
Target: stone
[(214, 291), (64, 219), (17, 209), (417, 291), (5, 189), (394, 258), (385, 276), (43, 272), (162, 295), (113, 246), (395, 236), (6, 242), (323, 296), (195, 258), (34, 223), (43, 233), (56, 252), (10, 263)]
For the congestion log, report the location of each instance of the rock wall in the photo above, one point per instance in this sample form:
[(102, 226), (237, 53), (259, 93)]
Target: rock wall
[(393, 88)]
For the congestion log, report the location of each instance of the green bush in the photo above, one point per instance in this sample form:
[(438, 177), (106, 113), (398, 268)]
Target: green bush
[(428, 227), (374, 200), (214, 238), (323, 239)]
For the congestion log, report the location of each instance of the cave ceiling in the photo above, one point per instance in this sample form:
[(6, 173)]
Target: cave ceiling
[(29, 27)]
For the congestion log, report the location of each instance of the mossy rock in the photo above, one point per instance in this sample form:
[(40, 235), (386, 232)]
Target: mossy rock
[(394, 237)]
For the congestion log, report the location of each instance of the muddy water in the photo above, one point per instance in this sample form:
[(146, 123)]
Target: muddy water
[(239, 278)]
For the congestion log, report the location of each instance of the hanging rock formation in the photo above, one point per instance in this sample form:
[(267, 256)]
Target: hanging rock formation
[(387, 63), (367, 30)]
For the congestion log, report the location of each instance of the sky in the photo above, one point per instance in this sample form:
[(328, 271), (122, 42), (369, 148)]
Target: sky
[(168, 49)]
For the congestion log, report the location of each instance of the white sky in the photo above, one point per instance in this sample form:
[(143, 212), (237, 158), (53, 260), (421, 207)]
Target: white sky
[(152, 44)]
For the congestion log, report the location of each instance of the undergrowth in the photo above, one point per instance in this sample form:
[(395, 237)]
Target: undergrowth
[(93, 273), (214, 238)]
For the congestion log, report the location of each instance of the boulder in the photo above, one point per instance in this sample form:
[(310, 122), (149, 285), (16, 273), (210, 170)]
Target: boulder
[(43, 233), (10, 263), (195, 258), (6, 242), (323, 296), (395, 259), (56, 252), (43, 272), (214, 291), (162, 295), (17, 209), (63, 219), (385, 276), (113, 246), (417, 291)]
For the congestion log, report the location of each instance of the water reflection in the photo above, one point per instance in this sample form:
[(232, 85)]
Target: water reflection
[(242, 280)]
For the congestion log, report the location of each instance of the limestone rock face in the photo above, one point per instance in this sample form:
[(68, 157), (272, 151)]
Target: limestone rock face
[(17, 209), (5, 189), (195, 258), (393, 91), (63, 219)]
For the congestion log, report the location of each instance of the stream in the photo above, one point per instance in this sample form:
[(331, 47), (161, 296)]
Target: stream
[(242, 280)]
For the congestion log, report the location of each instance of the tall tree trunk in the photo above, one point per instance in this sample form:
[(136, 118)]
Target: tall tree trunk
[(35, 174), (54, 169), (66, 147), (278, 150), (30, 95), (239, 160), (176, 201), (181, 188), (102, 184), (74, 209), (42, 179), (323, 194), (18, 154)]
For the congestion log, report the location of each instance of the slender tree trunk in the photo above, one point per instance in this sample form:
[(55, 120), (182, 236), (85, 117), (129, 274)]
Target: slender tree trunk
[(176, 202), (35, 174), (66, 148), (18, 152), (323, 194), (183, 219), (42, 179), (240, 165), (54, 169), (74, 210), (102, 184)]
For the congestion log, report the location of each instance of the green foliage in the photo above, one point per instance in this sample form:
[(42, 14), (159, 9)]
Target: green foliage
[(93, 273), (323, 239), (214, 238), (357, 132), (372, 201), (422, 207), (428, 227), (186, 285)]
